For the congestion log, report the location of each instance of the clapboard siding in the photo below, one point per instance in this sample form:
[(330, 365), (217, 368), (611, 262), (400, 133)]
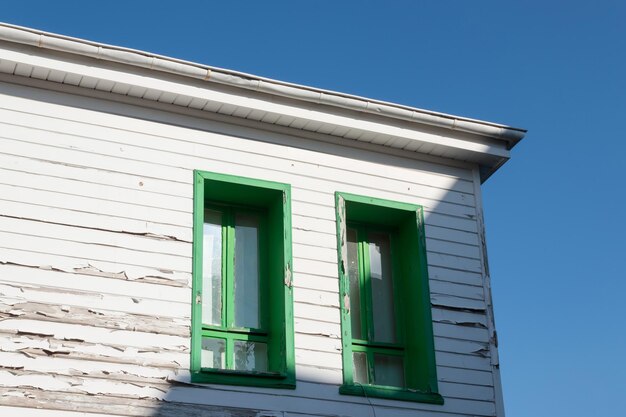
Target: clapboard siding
[(28, 99), (91, 334), (90, 139), (142, 363), (96, 252), (32, 345), (30, 193), (97, 317), (185, 402), (131, 303), (141, 244), (95, 140), (87, 219), (84, 173), (52, 261), (93, 283), (39, 181), (316, 282), (445, 273), (95, 261)]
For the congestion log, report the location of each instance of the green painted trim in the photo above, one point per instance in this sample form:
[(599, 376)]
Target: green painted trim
[(228, 242), (365, 280), (411, 289), (373, 201), (429, 342), (397, 293), (237, 194), (289, 353), (344, 288), (263, 254), (257, 379), (234, 336), (196, 282), (391, 393), (235, 179)]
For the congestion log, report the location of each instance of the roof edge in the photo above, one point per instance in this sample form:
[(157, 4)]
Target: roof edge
[(47, 40)]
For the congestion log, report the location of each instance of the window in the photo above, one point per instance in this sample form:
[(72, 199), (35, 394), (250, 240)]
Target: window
[(388, 348), (242, 317)]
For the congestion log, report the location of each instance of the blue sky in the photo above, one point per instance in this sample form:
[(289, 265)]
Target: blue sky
[(556, 232)]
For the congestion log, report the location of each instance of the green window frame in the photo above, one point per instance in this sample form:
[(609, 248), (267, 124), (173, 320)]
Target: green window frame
[(405, 346), (242, 237)]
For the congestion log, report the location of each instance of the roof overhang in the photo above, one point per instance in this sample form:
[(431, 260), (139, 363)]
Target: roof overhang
[(45, 56)]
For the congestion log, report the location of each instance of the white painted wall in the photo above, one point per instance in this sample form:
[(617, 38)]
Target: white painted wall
[(95, 261)]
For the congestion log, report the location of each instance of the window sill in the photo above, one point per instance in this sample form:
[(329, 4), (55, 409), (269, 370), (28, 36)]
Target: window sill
[(391, 393), (253, 379)]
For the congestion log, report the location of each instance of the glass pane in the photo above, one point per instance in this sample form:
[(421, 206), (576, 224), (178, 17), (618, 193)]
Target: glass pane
[(212, 355), (250, 356), (355, 291), (359, 362), (246, 276), (382, 288), (212, 268), (388, 370)]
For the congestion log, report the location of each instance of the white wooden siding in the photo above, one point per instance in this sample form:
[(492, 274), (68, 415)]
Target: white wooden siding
[(95, 261)]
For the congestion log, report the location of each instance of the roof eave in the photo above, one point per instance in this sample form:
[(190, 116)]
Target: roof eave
[(506, 135)]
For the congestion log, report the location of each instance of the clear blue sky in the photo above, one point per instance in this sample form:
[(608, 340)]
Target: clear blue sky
[(554, 213)]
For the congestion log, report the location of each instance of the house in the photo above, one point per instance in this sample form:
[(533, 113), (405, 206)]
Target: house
[(177, 239)]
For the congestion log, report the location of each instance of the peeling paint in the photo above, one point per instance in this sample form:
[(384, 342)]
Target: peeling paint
[(24, 333), (92, 268), (484, 352), (457, 303), (50, 347), (464, 323), (288, 276), (113, 404), (341, 210)]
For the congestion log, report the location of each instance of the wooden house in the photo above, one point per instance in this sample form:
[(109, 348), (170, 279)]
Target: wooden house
[(182, 240)]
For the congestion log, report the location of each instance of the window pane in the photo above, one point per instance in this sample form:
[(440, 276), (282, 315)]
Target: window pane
[(246, 276), (212, 268), (250, 356), (355, 291), (382, 288), (388, 370), (359, 362), (212, 355)]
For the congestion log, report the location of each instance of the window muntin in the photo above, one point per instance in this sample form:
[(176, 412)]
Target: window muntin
[(242, 315), (388, 346)]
